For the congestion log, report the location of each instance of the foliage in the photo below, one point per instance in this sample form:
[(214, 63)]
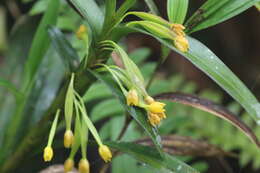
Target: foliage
[(48, 67)]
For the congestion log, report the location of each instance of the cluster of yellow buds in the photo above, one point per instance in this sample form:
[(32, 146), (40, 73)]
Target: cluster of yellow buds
[(180, 41), (74, 108), (155, 110)]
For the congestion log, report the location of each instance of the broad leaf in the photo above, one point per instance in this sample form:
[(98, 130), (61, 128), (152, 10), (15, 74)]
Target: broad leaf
[(213, 12), (167, 164), (64, 48), (138, 114), (203, 58), (211, 107)]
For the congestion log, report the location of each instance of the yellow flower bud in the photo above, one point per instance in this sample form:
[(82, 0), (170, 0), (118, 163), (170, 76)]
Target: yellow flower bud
[(132, 98), (161, 115), (149, 100), (105, 153), (156, 107), (47, 154), (181, 43), (81, 32), (154, 119), (178, 29), (68, 165), (83, 166), (68, 138)]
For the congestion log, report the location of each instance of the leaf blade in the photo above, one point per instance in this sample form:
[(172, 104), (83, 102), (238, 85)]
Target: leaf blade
[(150, 156), (64, 48), (211, 107), (40, 42), (213, 12), (204, 59)]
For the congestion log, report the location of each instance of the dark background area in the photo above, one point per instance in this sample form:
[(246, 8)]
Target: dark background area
[(236, 42)]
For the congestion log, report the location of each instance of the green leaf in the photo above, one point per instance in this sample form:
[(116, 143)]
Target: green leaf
[(64, 48), (137, 114), (38, 7), (177, 10), (148, 155), (8, 85), (40, 42), (204, 59), (91, 12), (213, 12), (152, 6)]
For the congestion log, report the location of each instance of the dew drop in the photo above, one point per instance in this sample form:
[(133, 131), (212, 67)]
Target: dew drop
[(216, 68), (258, 122), (179, 168)]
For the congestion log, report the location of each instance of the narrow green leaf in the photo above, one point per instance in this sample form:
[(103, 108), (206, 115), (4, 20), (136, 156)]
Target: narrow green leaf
[(64, 48), (38, 7), (110, 12), (138, 114), (9, 86), (40, 42), (213, 12), (91, 12), (68, 106), (204, 59), (177, 10), (53, 128), (150, 156), (152, 6)]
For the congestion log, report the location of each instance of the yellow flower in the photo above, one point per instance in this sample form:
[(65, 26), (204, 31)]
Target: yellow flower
[(68, 165), (154, 119), (81, 32), (105, 153), (181, 43), (132, 98), (83, 166), (178, 29), (156, 107), (47, 154), (149, 99), (68, 138)]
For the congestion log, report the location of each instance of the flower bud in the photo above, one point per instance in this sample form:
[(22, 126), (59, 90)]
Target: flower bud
[(83, 166), (132, 98), (178, 29), (156, 107), (47, 154), (68, 138), (154, 119), (68, 165), (161, 115), (181, 43), (149, 99), (81, 32), (105, 153)]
